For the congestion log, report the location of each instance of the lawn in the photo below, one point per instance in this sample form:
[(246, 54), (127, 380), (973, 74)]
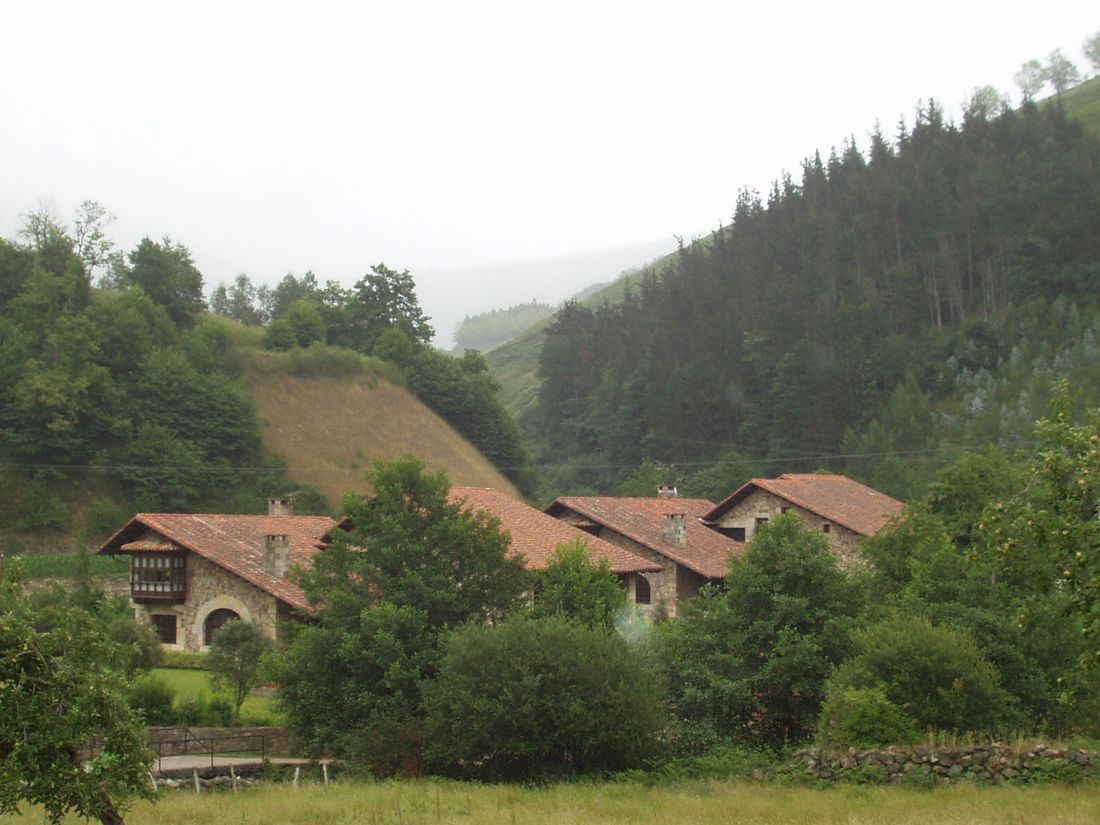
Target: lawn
[(431, 801), (190, 684)]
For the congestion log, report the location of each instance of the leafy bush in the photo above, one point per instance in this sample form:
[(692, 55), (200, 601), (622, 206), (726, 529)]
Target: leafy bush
[(749, 662), (538, 697), (202, 711), (864, 718), (573, 587), (152, 697), (138, 642), (863, 775), (936, 675), (1050, 771)]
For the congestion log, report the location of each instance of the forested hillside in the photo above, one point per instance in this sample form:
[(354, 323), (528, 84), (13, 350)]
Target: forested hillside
[(488, 330), (121, 392), (886, 308)]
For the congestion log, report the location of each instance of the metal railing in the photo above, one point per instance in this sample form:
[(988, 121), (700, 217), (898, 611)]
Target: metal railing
[(193, 745)]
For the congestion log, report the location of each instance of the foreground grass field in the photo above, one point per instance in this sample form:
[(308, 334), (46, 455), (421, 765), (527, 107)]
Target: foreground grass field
[(431, 801)]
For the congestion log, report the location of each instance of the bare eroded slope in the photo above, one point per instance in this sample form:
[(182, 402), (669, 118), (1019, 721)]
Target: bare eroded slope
[(330, 430)]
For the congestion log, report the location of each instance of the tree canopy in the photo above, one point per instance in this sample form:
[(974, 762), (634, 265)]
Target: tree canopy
[(410, 566), (58, 695)]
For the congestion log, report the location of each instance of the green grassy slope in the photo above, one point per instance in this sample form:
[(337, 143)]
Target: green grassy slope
[(331, 428), (1083, 103)]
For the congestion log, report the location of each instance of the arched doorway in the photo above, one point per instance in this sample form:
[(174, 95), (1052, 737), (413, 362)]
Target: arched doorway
[(641, 590), (214, 623)]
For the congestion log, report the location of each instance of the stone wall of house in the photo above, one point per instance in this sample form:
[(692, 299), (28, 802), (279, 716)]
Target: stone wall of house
[(663, 586), (844, 543), (930, 765), (210, 588)]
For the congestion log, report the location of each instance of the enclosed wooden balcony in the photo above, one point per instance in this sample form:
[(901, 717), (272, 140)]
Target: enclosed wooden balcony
[(158, 577)]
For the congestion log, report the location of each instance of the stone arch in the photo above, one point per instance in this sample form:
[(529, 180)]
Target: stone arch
[(642, 590), (217, 603)]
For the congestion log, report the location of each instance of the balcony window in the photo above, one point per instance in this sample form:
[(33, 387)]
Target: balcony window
[(158, 576)]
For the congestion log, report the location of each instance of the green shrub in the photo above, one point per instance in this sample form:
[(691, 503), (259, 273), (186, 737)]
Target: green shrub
[(864, 718), (152, 697), (918, 777), (184, 660), (1050, 771), (540, 697), (139, 642), (935, 675), (864, 775), (202, 711)]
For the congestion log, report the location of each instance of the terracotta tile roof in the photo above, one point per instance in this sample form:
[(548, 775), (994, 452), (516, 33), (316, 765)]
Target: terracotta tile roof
[(838, 498), (536, 535), (643, 520), (235, 543)]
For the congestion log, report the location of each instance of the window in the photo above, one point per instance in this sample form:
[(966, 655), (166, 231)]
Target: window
[(784, 510), (825, 527), (641, 590), (214, 623), (165, 625), (735, 533), (761, 521), (158, 576)]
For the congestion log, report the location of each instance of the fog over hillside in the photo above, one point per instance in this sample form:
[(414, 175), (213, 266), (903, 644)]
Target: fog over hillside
[(503, 285)]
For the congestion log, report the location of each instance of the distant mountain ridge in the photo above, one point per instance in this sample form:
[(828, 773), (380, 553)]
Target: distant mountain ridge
[(450, 295)]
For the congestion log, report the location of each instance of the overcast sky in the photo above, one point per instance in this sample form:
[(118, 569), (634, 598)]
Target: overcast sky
[(273, 137)]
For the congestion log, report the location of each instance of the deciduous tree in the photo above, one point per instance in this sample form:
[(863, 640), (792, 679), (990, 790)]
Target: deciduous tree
[(411, 565), (750, 662), (234, 660), (57, 696)]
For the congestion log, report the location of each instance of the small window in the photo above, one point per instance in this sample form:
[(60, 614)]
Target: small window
[(735, 533), (784, 510), (761, 521), (825, 527), (641, 590), (165, 625)]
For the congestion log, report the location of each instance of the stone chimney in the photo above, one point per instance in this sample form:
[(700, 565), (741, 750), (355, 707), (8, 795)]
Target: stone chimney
[(676, 529), (667, 491), (280, 506), (277, 554)]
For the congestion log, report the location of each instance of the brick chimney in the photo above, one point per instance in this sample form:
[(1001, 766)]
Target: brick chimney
[(277, 554), (676, 529), (280, 506), (668, 491)]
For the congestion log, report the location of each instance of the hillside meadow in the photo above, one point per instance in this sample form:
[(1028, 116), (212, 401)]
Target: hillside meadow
[(330, 430), (439, 801)]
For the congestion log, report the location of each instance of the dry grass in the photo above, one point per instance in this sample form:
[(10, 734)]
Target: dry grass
[(330, 430), (433, 801)]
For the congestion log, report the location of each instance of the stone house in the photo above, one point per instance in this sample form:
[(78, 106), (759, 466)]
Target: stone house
[(191, 573), (666, 530), (536, 536), (845, 510)]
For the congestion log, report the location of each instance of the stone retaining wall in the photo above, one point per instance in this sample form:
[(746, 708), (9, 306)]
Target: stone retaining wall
[(987, 763)]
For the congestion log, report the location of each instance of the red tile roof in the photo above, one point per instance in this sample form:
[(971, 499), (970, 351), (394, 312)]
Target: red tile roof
[(536, 535), (235, 543), (838, 498), (643, 520)]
